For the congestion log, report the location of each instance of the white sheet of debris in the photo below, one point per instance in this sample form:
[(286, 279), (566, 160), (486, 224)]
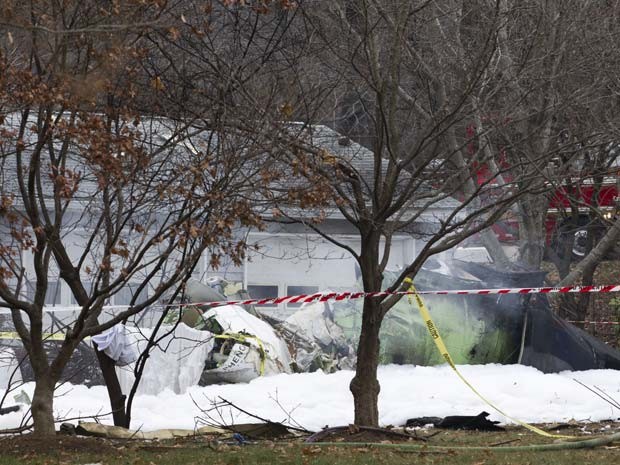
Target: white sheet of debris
[(178, 360), (175, 363)]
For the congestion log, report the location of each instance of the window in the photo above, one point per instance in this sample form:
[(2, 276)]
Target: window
[(297, 290), (30, 288), (124, 296), (259, 291), (52, 295)]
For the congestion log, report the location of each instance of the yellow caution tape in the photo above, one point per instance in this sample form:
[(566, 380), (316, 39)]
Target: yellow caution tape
[(443, 350), (45, 336), (243, 338)]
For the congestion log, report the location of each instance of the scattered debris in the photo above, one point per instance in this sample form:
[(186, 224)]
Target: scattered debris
[(12, 408), (117, 343), (245, 347), (266, 429), (234, 344), (470, 422), (422, 422), (118, 432)]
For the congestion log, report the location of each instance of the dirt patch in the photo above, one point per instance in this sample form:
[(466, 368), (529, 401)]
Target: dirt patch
[(29, 445), (354, 433)]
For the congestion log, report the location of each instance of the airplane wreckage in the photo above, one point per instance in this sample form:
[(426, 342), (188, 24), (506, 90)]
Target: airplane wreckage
[(203, 345)]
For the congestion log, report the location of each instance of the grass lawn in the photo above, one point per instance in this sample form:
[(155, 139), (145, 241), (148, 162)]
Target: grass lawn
[(209, 450)]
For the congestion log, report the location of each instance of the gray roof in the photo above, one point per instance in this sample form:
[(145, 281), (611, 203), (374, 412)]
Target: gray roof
[(362, 160), (158, 137), (162, 136)]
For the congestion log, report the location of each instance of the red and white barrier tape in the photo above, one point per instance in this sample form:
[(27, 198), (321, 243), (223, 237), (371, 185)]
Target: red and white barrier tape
[(338, 296), (585, 322)]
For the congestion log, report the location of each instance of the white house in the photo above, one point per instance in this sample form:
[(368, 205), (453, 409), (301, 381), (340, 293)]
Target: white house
[(292, 259), (289, 258)]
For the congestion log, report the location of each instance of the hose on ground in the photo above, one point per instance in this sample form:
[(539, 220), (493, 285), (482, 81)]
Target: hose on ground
[(564, 445)]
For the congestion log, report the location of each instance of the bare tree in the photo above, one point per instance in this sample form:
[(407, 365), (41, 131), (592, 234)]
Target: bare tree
[(414, 71), (556, 65), (99, 191)]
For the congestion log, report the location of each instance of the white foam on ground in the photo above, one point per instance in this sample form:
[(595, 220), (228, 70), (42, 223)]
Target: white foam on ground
[(317, 399)]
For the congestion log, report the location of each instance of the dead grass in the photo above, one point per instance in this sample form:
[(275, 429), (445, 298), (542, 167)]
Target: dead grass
[(27, 450)]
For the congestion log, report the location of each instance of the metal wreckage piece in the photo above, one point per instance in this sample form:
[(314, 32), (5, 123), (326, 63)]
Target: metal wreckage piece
[(244, 346), (249, 343), (244, 343), (477, 329)]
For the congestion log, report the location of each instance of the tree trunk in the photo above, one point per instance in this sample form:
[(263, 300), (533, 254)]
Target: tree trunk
[(115, 393), (532, 212), (576, 306), (42, 406), (364, 385), (495, 249), (596, 255)]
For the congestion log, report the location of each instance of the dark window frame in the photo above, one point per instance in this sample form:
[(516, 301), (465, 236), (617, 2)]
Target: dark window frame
[(298, 289), (273, 292)]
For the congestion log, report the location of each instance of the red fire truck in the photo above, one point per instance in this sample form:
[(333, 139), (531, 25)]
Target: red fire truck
[(579, 204), (583, 196)]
